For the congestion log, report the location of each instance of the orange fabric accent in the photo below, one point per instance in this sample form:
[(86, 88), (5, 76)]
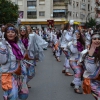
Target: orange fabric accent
[(56, 46), (27, 57), (86, 86), (18, 71), (6, 81)]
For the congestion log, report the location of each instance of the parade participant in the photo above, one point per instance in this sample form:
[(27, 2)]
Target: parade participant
[(91, 62), (88, 38), (2, 31), (66, 37), (75, 47), (29, 56), (29, 29), (13, 71), (56, 47)]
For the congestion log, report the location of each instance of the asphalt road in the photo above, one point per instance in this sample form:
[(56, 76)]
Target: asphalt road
[(50, 84)]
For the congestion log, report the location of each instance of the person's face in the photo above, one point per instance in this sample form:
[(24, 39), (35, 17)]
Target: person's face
[(2, 28), (23, 32), (11, 35), (96, 41), (77, 35), (37, 31), (28, 29)]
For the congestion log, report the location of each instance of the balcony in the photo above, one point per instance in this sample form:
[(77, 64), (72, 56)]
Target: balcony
[(97, 19), (59, 4), (98, 8), (31, 16), (83, 6), (98, 15), (97, 2), (82, 16)]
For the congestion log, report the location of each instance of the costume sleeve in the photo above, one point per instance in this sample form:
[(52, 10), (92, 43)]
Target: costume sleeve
[(90, 65)]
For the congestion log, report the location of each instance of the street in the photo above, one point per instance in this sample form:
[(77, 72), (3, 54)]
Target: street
[(50, 84)]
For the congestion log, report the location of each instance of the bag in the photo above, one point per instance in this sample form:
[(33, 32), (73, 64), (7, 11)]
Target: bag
[(23, 89), (30, 72), (6, 81), (86, 86)]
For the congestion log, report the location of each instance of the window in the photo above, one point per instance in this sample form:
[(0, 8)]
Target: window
[(74, 4), (57, 13), (88, 7), (31, 14), (77, 15), (31, 3), (41, 13), (77, 4), (70, 13), (91, 8), (83, 6), (73, 14)]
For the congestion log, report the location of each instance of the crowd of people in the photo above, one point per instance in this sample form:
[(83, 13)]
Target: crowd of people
[(21, 48)]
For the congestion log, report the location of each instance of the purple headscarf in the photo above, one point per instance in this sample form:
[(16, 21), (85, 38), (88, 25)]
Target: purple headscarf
[(79, 46), (25, 42), (16, 50)]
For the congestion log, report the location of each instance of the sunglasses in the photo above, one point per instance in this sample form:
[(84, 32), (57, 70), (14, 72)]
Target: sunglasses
[(96, 38), (22, 29)]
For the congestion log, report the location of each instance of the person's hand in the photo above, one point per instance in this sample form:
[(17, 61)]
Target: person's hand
[(92, 49)]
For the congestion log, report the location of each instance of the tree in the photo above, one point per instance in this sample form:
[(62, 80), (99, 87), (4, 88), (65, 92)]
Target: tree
[(91, 22), (8, 12)]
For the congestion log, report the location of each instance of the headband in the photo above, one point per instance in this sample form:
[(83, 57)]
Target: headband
[(11, 28), (23, 28), (96, 36)]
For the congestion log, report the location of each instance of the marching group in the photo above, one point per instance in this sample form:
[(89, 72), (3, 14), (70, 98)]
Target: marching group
[(82, 54), (21, 48)]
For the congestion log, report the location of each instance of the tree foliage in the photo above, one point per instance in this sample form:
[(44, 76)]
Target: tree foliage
[(8, 12), (91, 22)]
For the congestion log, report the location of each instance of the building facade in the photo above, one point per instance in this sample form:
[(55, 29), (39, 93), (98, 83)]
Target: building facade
[(97, 9), (37, 12)]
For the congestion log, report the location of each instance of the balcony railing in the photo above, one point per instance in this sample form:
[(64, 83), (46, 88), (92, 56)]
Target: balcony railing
[(97, 19), (31, 16), (98, 8), (59, 4), (97, 2), (98, 15)]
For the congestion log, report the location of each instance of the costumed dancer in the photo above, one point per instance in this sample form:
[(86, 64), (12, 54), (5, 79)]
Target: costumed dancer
[(29, 57), (91, 63), (75, 47), (56, 47), (12, 68), (66, 37), (87, 39)]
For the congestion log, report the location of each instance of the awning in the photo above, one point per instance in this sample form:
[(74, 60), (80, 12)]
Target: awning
[(42, 21), (59, 10), (77, 23)]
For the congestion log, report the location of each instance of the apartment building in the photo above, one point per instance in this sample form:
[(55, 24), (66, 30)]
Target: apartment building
[(37, 12), (97, 9)]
